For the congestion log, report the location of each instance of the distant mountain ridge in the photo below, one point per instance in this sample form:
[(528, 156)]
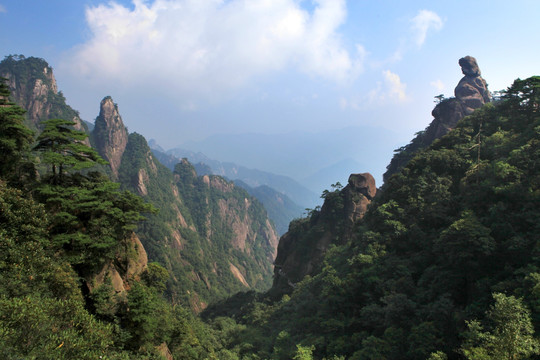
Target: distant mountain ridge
[(281, 209), (301, 155), (252, 177)]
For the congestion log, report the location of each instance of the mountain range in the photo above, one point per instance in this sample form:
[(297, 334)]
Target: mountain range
[(110, 252)]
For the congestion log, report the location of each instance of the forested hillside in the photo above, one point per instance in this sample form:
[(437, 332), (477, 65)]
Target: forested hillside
[(443, 265), (212, 236), (442, 262), (75, 283)]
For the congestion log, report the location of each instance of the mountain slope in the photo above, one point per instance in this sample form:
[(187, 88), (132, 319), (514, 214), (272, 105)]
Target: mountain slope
[(214, 243), (33, 87), (444, 264), (281, 210), (213, 237), (252, 177)]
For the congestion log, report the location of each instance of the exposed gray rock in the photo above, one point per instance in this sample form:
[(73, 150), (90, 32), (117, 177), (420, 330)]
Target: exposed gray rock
[(110, 134)]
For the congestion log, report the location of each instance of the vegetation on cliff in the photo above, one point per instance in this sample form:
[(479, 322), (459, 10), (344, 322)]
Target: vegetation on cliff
[(444, 264), (55, 236)]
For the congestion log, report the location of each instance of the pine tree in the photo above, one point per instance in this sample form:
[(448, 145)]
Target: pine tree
[(15, 139), (63, 149)]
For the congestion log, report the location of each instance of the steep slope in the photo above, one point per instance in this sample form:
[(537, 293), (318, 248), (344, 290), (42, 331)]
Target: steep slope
[(110, 135), (471, 93), (302, 249), (214, 237), (253, 177), (33, 87), (281, 209), (444, 264)]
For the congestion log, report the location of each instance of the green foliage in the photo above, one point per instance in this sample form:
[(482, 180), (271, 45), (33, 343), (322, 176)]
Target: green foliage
[(455, 225), (45, 328), (62, 148), (510, 334), (304, 352), (15, 140), (90, 217)]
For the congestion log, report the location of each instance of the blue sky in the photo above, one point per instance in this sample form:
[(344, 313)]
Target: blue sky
[(184, 70)]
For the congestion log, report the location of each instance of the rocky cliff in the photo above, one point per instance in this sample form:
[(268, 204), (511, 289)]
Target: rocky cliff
[(302, 249), (212, 236), (110, 135), (33, 87), (470, 93), (130, 262)]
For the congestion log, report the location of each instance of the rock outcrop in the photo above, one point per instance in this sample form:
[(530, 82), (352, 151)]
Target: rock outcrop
[(472, 89), (33, 87), (213, 237), (471, 93), (110, 134), (129, 264), (301, 250)]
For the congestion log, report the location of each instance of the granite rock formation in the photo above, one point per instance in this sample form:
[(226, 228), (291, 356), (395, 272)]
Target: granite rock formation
[(110, 134), (471, 93), (301, 250), (33, 87)]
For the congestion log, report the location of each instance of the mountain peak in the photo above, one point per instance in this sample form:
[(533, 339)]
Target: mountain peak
[(472, 89), (110, 134), (471, 93), (33, 86)]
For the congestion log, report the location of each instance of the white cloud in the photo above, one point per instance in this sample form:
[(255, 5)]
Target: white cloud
[(423, 22), (396, 89), (209, 47), (2, 9), (391, 89)]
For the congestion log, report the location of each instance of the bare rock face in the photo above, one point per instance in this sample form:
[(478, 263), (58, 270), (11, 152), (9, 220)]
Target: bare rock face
[(110, 134), (130, 263), (301, 250), (33, 87), (471, 90), (32, 94), (358, 194), (471, 93)]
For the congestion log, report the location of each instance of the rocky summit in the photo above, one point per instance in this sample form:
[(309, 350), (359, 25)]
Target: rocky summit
[(472, 89), (302, 249), (110, 134), (471, 93)]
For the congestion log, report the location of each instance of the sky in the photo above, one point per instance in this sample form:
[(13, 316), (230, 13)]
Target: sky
[(186, 71)]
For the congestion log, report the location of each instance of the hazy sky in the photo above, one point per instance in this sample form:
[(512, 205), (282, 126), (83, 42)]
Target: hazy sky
[(183, 70)]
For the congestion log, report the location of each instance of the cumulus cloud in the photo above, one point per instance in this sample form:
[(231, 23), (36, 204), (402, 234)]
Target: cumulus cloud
[(422, 23), (207, 47)]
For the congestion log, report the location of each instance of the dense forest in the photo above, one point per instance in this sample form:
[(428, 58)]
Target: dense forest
[(444, 264)]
